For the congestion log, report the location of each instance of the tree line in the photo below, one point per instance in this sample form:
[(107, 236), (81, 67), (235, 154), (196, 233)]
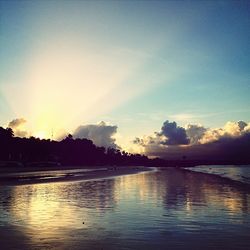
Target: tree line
[(68, 151)]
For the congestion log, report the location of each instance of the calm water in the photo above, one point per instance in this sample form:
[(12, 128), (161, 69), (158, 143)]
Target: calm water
[(170, 209), (239, 173)]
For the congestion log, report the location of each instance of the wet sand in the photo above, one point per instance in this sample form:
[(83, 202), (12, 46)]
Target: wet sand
[(35, 175), (165, 209)]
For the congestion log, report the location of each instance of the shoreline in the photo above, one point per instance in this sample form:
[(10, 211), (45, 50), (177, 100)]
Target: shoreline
[(37, 176), (189, 204), (222, 179)]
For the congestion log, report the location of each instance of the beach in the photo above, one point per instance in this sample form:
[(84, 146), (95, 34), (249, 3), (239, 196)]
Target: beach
[(33, 175), (165, 209)]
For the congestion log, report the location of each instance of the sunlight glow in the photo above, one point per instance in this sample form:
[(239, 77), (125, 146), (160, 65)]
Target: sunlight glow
[(41, 135), (68, 85)]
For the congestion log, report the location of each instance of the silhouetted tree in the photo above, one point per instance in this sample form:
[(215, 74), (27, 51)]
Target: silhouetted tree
[(6, 133), (69, 151)]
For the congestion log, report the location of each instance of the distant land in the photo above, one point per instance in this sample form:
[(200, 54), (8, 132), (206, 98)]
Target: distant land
[(34, 152)]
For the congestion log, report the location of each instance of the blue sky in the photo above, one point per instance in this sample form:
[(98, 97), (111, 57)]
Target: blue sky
[(131, 63)]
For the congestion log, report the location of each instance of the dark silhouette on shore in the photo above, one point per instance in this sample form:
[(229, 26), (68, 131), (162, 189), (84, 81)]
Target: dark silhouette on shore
[(16, 151)]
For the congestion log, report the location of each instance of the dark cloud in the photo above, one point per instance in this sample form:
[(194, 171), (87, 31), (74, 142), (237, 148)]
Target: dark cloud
[(15, 126), (226, 148), (101, 134), (138, 141), (232, 142), (242, 125), (174, 134)]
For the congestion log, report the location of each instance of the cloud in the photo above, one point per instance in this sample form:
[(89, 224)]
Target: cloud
[(247, 128), (242, 125), (195, 133), (101, 134), (170, 135), (16, 123), (139, 141), (174, 134), (17, 126), (231, 142), (226, 148), (231, 129)]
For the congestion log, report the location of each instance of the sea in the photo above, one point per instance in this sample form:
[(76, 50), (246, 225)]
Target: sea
[(239, 173), (165, 209)]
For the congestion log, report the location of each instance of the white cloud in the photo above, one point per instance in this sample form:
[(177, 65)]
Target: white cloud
[(101, 134), (230, 129), (17, 125), (231, 141)]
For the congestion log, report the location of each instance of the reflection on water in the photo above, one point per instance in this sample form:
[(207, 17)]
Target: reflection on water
[(171, 208)]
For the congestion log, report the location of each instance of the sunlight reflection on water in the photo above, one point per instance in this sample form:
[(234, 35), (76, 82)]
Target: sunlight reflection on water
[(162, 209)]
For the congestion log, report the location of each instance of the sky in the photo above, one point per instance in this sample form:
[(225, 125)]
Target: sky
[(129, 66)]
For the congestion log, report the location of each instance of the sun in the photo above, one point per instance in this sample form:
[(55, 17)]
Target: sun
[(41, 134)]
